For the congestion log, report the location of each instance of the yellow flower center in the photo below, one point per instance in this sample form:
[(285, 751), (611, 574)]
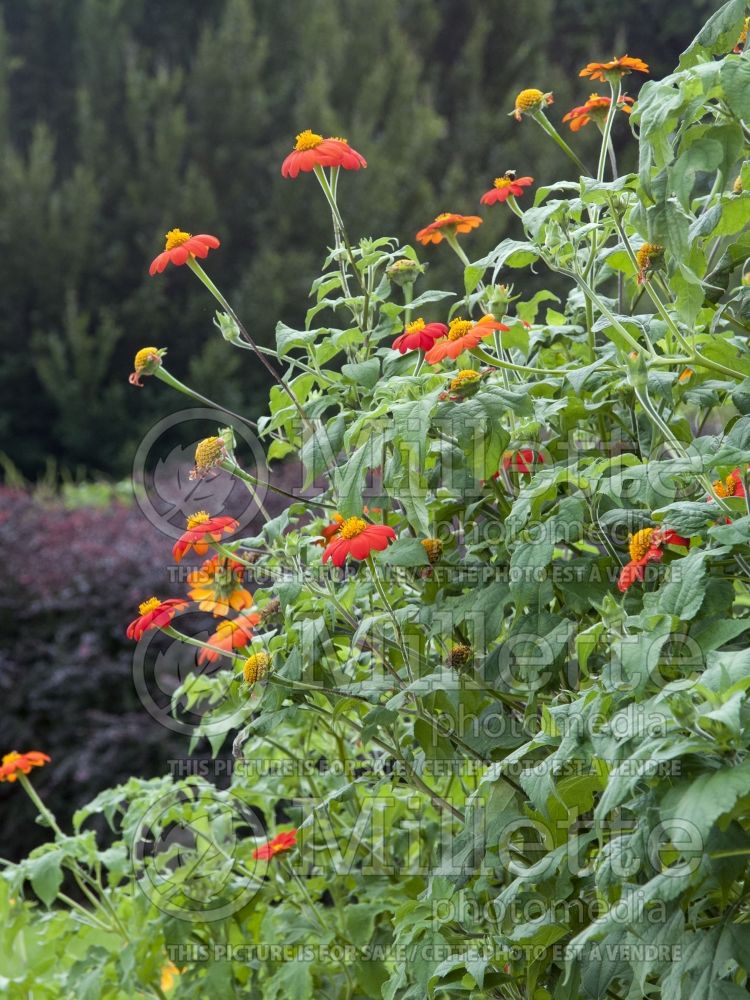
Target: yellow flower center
[(466, 376), (199, 517), (460, 654), (144, 357), (11, 757), (208, 452), (459, 328), (416, 326), (352, 527), (433, 547), (728, 488), (528, 99), (175, 238), (256, 666), (648, 254), (443, 215), (307, 140), (502, 182), (640, 543), (150, 605)]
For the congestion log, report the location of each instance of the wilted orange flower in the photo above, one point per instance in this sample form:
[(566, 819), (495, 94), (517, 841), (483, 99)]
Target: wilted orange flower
[(731, 486), (617, 67), (231, 634), (217, 585), (14, 762), (179, 247), (154, 613), (357, 538), (282, 842), (312, 150), (743, 37), (202, 529), (146, 361), (648, 258), (646, 546), (463, 334), (419, 336), (505, 186), (447, 223), (595, 109), (530, 100)]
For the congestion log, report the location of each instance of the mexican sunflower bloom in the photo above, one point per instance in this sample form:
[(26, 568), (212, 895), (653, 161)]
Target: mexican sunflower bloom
[(505, 186), (447, 224), (521, 461), (615, 67), (595, 109), (217, 586), (529, 101), (463, 334), (146, 362), (648, 258), (281, 843), (312, 150), (357, 538), (154, 613), (180, 247), (732, 486), (202, 529), (15, 762), (230, 634), (419, 336), (646, 546)]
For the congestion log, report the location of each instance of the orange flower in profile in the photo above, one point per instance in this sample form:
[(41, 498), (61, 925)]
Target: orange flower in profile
[(312, 150), (231, 634), (732, 486), (646, 546), (595, 109), (505, 186), (357, 538), (463, 334), (615, 67), (282, 842), (522, 461), (15, 762), (202, 529), (447, 224), (179, 247), (154, 613), (419, 336), (217, 585), (740, 46), (530, 101)]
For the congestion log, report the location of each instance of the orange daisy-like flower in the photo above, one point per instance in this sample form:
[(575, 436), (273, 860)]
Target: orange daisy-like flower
[(357, 538), (504, 187), (154, 613), (522, 461), (530, 101), (646, 546), (312, 150), (732, 486), (217, 586), (282, 842), (231, 634), (447, 224), (202, 529), (15, 762), (615, 67), (595, 109), (419, 336), (463, 334), (179, 247)]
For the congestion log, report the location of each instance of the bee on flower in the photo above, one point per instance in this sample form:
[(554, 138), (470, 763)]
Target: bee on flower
[(507, 186)]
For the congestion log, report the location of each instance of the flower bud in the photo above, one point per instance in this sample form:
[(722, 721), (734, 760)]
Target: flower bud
[(146, 362), (404, 271), (461, 655)]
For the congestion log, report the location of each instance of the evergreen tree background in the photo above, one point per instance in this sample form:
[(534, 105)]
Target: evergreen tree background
[(120, 119)]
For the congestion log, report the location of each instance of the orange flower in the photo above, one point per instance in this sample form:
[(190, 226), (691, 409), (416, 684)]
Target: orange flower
[(419, 336), (14, 762), (645, 547), (154, 613), (312, 150), (447, 224), (649, 257), (739, 47), (217, 586), (202, 529), (615, 67), (231, 634), (179, 247), (595, 108), (357, 538), (282, 842), (463, 334), (732, 486), (505, 186), (530, 101), (522, 460)]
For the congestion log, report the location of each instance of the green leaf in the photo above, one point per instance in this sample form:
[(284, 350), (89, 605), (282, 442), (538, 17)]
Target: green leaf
[(45, 874), (682, 594), (735, 79), (718, 36), (364, 373), (700, 801)]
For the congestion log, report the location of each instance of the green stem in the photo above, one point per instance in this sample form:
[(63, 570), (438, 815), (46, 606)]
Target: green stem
[(170, 380), (43, 810), (389, 607), (252, 481), (614, 97), (541, 119)]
